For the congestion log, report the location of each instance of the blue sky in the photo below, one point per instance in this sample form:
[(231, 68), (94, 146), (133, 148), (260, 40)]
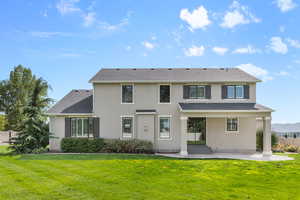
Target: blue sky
[(68, 41)]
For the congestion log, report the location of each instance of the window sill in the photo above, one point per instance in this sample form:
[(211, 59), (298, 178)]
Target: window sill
[(165, 139)]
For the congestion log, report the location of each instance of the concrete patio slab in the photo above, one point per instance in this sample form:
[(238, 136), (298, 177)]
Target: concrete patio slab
[(254, 157)]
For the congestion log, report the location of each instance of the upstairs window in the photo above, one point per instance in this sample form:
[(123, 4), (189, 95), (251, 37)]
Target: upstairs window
[(194, 92), (127, 93), (164, 94), (235, 92)]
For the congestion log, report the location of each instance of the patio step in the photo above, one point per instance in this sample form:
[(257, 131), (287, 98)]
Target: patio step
[(198, 149)]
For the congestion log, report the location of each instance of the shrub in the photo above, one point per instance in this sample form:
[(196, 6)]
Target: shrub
[(259, 140), (127, 146), (82, 145), (291, 148)]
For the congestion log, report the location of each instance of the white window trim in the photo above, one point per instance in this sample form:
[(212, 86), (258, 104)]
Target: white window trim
[(82, 127), (121, 123), (196, 99), (121, 86), (243, 97), (236, 98), (158, 118), (159, 94), (238, 126)]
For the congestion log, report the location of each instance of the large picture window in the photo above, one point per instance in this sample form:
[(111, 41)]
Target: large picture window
[(164, 93), (127, 93), (164, 127), (127, 127), (232, 125), (194, 91), (81, 127)]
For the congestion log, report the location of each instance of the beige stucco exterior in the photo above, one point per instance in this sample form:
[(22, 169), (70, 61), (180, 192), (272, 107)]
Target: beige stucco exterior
[(109, 108), (57, 127)]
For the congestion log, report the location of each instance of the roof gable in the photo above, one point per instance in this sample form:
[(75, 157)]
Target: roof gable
[(77, 101)]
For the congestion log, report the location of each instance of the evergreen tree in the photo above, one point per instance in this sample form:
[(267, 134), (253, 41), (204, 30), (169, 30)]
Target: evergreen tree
[(34, 134), (14, 96)]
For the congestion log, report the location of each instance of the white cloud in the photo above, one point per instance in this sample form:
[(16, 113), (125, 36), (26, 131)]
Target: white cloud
[(42, 34), (238, 14), (114, 27), (128, 48), (282, 29), (197, 19), (283, 73), (246, 50), (194, 51), (153, 37), (67, 6), (220, 50), (89, 19), (148, 45), (255, 71), (278, 46), (293, 43), (285, 5)]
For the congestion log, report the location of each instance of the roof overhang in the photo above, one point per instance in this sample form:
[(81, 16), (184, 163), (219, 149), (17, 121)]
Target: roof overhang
[(70, 114), (223, 108), (168, 81)]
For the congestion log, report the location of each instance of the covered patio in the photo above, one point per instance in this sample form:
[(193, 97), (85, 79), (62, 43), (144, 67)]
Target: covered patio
[(230, 128)]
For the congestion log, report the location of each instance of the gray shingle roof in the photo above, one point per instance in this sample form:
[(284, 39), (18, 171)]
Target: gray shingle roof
[(224, 106), (77, 101), (173, 75)]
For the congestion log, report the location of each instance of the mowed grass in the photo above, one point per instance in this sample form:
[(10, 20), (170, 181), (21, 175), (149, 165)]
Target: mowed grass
[(119, 176)]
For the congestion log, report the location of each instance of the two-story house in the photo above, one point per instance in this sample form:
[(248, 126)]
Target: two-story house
[(171, 107)]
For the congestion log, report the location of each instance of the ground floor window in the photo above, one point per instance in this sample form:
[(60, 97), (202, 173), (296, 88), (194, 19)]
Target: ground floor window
[(127, 127), (164, 127), (82, 127), (232, 125)]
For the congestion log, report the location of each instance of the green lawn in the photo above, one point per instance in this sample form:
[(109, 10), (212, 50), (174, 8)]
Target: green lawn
[(117, 176)]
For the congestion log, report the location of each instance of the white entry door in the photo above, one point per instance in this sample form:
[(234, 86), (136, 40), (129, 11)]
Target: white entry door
[(145, 127)]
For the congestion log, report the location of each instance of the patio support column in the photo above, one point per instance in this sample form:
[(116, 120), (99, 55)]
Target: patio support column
[(267, 146), (183, 139)]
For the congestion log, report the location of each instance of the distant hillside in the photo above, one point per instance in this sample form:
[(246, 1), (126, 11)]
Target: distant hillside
[(286, 127)]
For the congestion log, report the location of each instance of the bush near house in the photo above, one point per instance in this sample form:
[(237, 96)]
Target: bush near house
[(91, 145), (82, 145), (259, 140), (127, 146)]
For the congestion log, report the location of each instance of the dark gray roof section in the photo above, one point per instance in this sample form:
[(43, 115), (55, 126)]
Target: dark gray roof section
[(224, 106), (76, 102), (106, 75)]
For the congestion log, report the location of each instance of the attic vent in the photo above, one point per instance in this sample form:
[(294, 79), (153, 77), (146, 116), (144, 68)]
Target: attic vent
[(222, 68), (169, 68), (204, 68), (118, 69), (152, 69), (134, 69), (76, 90), (87, 91), (187, 69)]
